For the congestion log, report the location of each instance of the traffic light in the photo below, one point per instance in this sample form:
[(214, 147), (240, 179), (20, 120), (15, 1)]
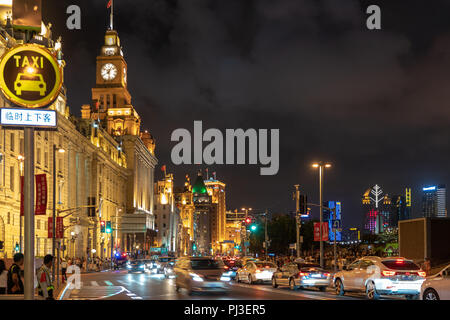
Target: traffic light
[(194, 247), (303, 205), (17, 247), (102, 226), (108, 227), (248, 221), (253, 227)]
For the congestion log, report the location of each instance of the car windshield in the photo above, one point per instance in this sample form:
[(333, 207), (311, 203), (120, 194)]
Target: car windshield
[(400, 265), (265, 265), (308, 266), (206, 264)]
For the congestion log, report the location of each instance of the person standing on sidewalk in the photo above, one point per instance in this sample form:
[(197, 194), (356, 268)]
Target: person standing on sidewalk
[(45, 286), (63, 270), (3, 277), (14, 282)]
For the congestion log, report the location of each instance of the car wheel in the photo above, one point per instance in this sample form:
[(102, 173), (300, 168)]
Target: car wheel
[(250, 280), (292, 285), (339, 287), (430, 294), (274, 282), (323, 289), (371, 291), (177, 288)]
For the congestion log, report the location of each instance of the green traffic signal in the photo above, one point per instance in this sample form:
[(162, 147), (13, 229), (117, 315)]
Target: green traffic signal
[(253, 227), (108, 228)]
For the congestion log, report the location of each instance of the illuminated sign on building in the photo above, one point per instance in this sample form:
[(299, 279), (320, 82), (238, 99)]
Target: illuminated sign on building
[(30, 76), (28, 118), (429, 188)]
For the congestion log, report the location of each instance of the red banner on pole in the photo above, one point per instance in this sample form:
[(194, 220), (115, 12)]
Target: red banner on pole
[(41, 195), (50, 228), (22, 209), (317, 231), (59, 228)]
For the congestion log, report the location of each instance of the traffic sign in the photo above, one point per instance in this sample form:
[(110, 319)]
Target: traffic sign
[(336, 224), (30, 76), (28, 118)]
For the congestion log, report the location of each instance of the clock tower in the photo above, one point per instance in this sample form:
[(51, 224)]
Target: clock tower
[(111, 100)]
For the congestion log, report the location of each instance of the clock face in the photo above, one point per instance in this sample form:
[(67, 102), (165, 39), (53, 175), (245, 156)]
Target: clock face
[(109, 72)]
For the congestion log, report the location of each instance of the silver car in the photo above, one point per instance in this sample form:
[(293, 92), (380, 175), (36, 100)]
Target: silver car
[(381, 276), (301, 275), (201, 274), (437, 287)]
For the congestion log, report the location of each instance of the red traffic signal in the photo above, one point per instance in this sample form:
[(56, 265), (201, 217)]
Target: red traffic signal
[(248, 220), (102, 226)]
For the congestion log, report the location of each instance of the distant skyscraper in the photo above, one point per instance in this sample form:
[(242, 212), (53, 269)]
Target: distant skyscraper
[(329, 216), (433, 201), (401, 208)]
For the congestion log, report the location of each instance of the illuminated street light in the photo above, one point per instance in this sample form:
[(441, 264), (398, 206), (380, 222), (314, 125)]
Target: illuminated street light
[(321, 166)]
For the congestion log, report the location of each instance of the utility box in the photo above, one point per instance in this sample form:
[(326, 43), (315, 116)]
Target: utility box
[(425, 238)]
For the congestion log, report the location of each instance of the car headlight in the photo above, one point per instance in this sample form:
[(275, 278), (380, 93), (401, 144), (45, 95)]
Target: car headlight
[(128, 266), (142, 267), (196, 277), (228, 274), (225, 278)]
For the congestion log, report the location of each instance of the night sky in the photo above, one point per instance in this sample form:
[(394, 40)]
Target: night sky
[(374, 103)]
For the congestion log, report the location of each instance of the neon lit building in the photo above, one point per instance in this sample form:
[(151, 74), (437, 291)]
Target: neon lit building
[(434, 201)]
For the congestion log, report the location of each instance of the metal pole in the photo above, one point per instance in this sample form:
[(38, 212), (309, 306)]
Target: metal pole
[(245, 235), (29, 267), (57, 264), (321, 211), (266, 236), (297, 218), (54, 214), (335, 236)]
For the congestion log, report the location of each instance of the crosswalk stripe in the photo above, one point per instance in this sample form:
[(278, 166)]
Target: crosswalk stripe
[(94, 283), (122, 282)]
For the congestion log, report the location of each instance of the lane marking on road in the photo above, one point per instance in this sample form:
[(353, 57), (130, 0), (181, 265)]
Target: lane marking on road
[(94, 283), (122, 282), (109, 283), (283, 292), (137, 298)]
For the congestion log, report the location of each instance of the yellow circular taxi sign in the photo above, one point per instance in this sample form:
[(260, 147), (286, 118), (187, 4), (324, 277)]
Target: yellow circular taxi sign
[(30, 76)]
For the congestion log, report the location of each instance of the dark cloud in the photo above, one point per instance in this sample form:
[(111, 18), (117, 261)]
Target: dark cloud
[(372, 102)]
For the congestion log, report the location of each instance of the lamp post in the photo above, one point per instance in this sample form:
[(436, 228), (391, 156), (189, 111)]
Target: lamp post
[(21, 159), (321, 166), (60, 150)]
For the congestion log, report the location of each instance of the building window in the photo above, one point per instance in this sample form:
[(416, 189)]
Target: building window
[(60, 165), (46, 135), (46, 159), (11, 178), (39, 224), (156, 207), (12, 142), (38, 156), (21, 147), (164, 225), (114, 100), (8, 220), (156, 217), (108, 100), (164, 216)]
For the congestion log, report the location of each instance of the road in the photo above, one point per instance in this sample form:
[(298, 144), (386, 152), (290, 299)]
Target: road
[(119, 285)]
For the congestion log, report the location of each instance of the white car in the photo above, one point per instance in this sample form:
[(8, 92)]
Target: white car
[(380, 276), (437, 287), (256, 271)]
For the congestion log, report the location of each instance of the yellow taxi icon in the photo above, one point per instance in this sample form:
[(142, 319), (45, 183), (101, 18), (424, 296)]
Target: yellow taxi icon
[(30, 82)]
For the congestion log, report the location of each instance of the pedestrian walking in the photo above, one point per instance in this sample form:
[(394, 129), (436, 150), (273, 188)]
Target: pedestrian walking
[(3, 277), (45, 285), (14, 281), (63, 270)]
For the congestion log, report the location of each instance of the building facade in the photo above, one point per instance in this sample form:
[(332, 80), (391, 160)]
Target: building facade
[(434, 202), (216, 190)]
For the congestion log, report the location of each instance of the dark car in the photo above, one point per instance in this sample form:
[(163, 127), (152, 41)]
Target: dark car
[(136, 266), (300, 275), (231, 266), (162, 262)]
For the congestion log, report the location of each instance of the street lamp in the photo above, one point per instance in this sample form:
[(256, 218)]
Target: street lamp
[(59, 150), (321, 166)]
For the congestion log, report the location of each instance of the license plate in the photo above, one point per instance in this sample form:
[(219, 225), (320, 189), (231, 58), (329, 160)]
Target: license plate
[(316, 276)]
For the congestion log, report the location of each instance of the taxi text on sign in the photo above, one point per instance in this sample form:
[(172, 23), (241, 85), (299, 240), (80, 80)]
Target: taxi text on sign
[(30, 76)]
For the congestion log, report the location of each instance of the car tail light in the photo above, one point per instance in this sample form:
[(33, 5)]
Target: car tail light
[(326, 275), (422, 274), (226, 267), (303, 274), (388, 273)]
